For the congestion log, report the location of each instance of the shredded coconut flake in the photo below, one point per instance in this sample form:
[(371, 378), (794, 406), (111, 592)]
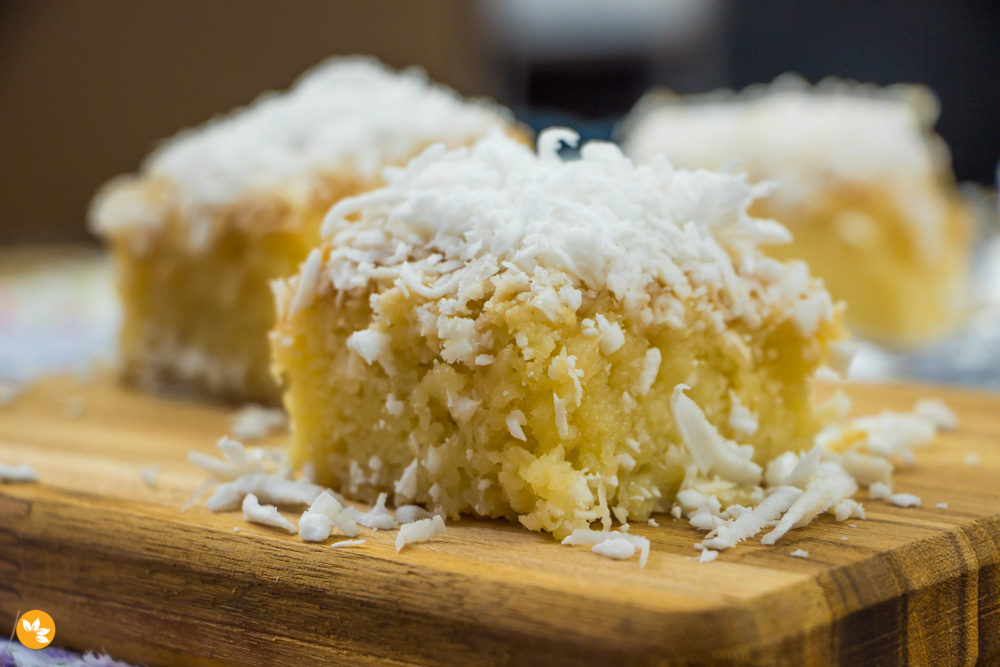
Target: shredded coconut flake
[(378, 517), (419, 531), (650, 369), (711, 452), (18, 473), (615, 548), (515, 421), (406, 485), (305, 292), (462, 408), (369, 344), (315, 526), (942, 506), (394, 406), (347, 543), (559, 405), (879, 491), (799, 553), (707, 556), (612, 337), (741, 420), (255, 422), (936, 411), (267, 515), (149, 473), (904, 500), (596, 538), (748, 524)]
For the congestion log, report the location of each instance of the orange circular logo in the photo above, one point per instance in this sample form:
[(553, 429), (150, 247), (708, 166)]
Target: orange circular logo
[(36, 629)]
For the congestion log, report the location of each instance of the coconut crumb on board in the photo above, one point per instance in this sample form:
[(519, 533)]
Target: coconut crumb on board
[(333, 509), (264, 472), (256, 422), (844, 538), (246, 476), (377, 518), (938, 412), (347, 543), (266, 515), (419, 531), (972, 459), (149, 473), (314, 526), (19, 473), (708, 555), (799, 553), (325, 514), (795, 488), (593, 538), (904, 500), (879, 491), (942, 506), (653, 523), (615, 548)]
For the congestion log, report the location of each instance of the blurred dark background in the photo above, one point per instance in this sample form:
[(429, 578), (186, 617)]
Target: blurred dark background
[(86, 88)]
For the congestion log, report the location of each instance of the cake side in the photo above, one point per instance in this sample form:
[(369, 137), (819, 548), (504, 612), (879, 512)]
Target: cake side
[(502, 334)]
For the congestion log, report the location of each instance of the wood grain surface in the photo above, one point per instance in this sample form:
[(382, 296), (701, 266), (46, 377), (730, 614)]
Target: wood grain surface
[(121, 569)]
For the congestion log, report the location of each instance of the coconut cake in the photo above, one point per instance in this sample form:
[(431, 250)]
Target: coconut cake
[(505, 334), (859, 177), (219, 211)]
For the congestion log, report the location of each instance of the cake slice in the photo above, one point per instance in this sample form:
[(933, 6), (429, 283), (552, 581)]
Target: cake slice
[(508, 335), (860, 179), (219, 211)]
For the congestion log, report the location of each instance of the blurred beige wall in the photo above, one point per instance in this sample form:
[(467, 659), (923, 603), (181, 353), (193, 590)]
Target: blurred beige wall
[(86, 88)]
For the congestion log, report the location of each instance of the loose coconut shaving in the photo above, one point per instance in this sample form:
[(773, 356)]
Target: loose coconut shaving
[(795, 488), (246, 476), (18, 473), (346, 114)]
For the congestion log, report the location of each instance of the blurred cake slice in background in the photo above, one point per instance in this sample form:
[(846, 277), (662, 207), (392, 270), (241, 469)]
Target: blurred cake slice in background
[(859, 178), (505, 334), (219, 211)]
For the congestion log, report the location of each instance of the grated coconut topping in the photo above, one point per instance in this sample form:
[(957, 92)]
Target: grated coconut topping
[(350, 114), (452, 220), (804, 138)]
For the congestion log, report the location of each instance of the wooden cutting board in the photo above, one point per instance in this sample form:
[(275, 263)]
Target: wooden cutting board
[(121, 569)]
